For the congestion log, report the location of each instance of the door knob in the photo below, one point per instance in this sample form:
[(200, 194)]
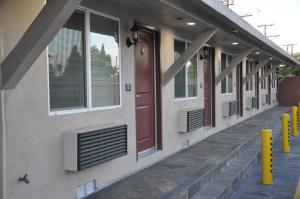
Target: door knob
[(137, 96)]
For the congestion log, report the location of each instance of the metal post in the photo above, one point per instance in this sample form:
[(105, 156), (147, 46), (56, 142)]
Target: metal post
[(285, 130), (295, 120), (266, 157)]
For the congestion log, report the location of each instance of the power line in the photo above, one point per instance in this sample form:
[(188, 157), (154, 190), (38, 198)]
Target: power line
[(290, 46), (264, 26), (228, 2), (274, 36), (246, 15)]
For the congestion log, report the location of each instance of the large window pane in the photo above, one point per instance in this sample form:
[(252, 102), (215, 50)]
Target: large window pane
[(66, 65), (192, 76), (251, 79), (179, 80), (230, 83), (104, 61), (223, 66)]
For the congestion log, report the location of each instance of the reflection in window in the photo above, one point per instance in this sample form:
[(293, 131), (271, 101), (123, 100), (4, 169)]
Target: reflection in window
[(227, 82), (185, 81), (179, 80), (66, 65), (192, 76), (223, 66), (104, 61)]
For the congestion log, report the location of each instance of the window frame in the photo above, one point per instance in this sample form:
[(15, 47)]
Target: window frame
[(186, 97), (88, 69), (264, 80), (226, 78), (250, 81)]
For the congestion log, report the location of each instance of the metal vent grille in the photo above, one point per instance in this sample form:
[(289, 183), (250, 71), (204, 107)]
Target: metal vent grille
[(268, 99), (254, 102), (96, 147), (233, 108), (195, 119)]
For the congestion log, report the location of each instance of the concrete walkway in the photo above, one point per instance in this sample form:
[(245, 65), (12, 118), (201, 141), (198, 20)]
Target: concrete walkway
[(286, 171), (183, 174)]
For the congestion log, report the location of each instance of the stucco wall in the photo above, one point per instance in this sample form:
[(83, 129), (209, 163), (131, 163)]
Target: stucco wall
[(34, 138)]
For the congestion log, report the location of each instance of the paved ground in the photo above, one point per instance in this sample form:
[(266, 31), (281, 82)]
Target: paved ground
[(286, 171), (174, 175)]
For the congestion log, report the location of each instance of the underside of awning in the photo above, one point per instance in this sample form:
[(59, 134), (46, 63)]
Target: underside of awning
[(160, 13)]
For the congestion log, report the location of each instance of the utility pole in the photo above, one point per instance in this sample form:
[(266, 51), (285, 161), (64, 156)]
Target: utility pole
[(264, 26), (228, 2), (288, 46)]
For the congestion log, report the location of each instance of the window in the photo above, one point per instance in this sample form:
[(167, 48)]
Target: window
[(84, 63), (249, 68), (67, 66), (185, 81), (227, 82), (263, 81), (273, 82), (104, 61)]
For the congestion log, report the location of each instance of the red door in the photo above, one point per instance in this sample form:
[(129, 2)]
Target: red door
[(145, 104), (207, 91)]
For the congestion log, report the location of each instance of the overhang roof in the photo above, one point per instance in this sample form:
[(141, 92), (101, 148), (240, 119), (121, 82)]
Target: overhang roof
[(215, 14)]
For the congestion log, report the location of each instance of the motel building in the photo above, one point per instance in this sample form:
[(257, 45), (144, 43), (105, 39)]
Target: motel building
[(96, 90)]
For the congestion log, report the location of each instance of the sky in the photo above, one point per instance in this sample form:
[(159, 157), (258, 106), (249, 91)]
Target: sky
[(284, 14)]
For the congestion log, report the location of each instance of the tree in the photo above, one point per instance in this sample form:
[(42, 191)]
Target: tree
[(101, 62)]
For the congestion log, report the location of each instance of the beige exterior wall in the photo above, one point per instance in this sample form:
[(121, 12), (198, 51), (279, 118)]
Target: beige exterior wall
[(34, 138)]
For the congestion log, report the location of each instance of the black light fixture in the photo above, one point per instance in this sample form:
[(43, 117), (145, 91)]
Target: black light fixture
[(135, 34), (204, 54)]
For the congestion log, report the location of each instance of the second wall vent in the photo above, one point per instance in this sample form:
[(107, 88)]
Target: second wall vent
[(191, 119)]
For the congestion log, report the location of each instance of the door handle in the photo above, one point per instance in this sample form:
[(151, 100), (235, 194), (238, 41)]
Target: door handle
[(137, 96)]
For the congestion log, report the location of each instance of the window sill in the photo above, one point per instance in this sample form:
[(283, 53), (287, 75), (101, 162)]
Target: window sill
[(226, 94), (82, 110), (185, 98)]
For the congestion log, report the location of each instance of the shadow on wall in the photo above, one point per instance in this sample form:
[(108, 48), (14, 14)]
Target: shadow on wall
[(289, 91)]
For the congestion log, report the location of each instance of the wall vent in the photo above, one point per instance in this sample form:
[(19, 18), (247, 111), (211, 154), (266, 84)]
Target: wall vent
[(234, 108), (254, 102), (86, 149), (230, 108), (249, 102), (268, 99), (191, 119)]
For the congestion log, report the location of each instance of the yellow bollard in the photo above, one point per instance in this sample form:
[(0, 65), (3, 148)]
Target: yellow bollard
[(299, 113), (266, 157), (295, 121), (285, 130)]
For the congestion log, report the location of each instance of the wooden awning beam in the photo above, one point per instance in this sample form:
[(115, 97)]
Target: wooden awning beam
[(42, 30), (268, 72), (187, 55), (260, 64), (236, 60)]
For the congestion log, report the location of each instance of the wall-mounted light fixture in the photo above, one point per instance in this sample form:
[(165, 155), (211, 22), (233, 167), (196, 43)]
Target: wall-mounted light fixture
[(204, 54), (135, 34)]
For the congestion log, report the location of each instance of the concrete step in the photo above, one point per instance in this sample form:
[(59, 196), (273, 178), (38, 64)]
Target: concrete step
[(232, 168), (230, 178), (186, 173)]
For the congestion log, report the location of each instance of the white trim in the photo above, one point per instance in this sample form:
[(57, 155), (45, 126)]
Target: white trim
[(186, 97), (82, 110), (87, 41), (178, 99), (88, 69)]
